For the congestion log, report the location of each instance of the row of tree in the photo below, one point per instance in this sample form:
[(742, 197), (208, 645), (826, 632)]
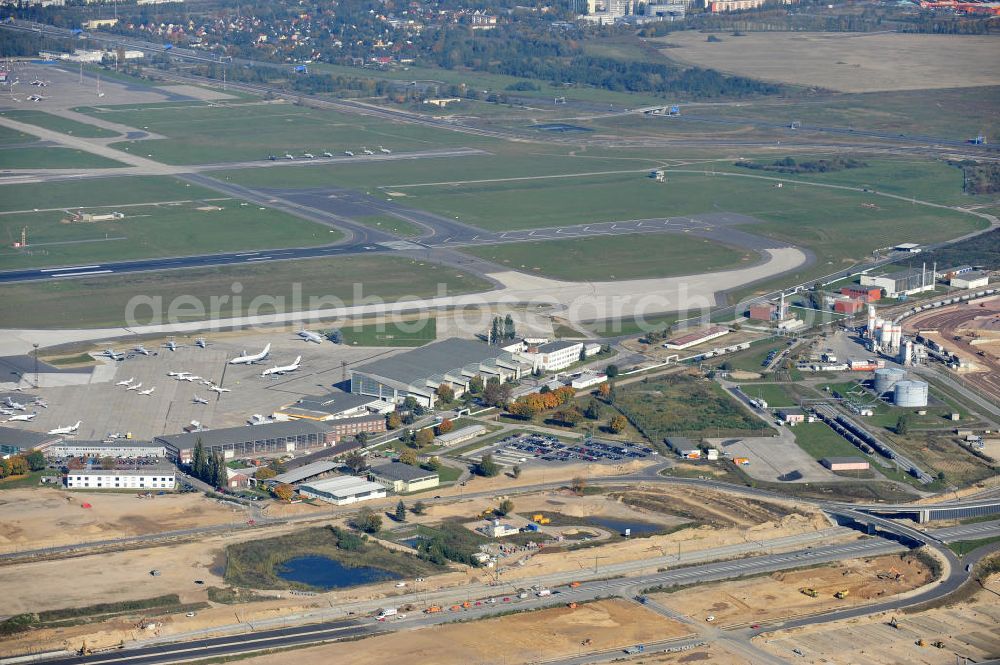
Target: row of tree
[(791, 165), (208, 467), (18, 465)]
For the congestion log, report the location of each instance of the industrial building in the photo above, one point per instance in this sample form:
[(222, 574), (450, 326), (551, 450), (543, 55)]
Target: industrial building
[(419, 372), (460, 435), (848, 306), (903, 283), (230, 442), (402, 478), (311, 471), (157, 477), (845, 463), (587, 379), (695, 338), (553, 356), (865, 294), (971, 280), (792, 416), (332, 406), (16, 441), (117, 448), (342, 490)]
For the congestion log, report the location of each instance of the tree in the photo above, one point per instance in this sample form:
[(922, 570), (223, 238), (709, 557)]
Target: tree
[(108, 462), (419, 508), (36, 460), (516, 471), (593, 410), (569, 416), (356, 462), (410, 403), (361, 437), (16, 465), (903, 425), (424, 438), (408, 457), (617, 424), (509, 331), (496, 393), (487, 467), (368, 521), (283, 491), (496, 331), (400, 514), (476, 385), (578, 485), (393, 421), (198, 459), (445, 426), (445, 393), (506, 506), (433, 464), (611, 371), (264, 473), (604, 390)]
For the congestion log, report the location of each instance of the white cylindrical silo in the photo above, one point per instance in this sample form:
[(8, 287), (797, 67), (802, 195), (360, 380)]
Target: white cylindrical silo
[(886, 378), (910, 393)]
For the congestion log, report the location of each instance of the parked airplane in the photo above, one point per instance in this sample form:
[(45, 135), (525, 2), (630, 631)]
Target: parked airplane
[(219, 390), (327, 153), (191, 378), (309, 155), (39, 83), (14, 405), (199, 400), (289, 155), (135, 387), (34, 98), (141, 349), (178, 375), (384, 151), (126, 383), (282, 370), (114, 355), (147, 392), (66, 430), (349, 153), (40, 402), (22, 417), (244, 359), (367, 151), (310, 336), (201, 343), (171, 344)]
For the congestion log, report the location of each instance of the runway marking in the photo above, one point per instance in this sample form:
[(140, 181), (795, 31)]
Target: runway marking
[(80, 274), (259, 258), (68, 268)]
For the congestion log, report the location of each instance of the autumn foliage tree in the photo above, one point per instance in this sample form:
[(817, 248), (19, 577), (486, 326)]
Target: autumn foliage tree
[(393, 421), (408, 457), (617, 424), (535, 403), (445, 393), (424, 438), (444, 426), (263, 473), (284, 491)]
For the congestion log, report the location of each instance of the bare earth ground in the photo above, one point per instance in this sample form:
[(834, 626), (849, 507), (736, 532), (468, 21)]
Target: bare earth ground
[(35, 518), (777, 596), (967, 630), (531, 637), (848, 62), (710, 654)]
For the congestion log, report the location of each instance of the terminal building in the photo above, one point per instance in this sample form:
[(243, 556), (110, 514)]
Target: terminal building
[(402, 478), (156, 477), (118, 448), (419, 372)]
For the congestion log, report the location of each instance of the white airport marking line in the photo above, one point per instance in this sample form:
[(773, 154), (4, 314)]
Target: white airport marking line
[(259, 258), (249, 254), (503, 235), (78, 274), (475, 237), (68, 268)]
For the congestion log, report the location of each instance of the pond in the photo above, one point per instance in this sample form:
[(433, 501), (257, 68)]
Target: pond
[(619, 525), (326, 573)]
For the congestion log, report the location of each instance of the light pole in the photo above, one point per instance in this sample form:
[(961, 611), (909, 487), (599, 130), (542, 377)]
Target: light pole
[(36, 363)]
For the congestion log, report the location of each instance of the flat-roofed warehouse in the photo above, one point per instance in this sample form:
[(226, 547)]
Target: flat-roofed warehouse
[(342, 490), (332, 407), (904, 282), (233, 442), (418, 373), (400, 477)]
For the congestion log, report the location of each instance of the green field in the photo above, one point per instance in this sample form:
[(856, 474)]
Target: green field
[(217, 133), (963, 547), (820, 441), (393, 225), (108, 192), (616, 257), (320, 283), (175, 229), (9, 136), (391, 333), (775, 395), (53, 158), (60, 124)]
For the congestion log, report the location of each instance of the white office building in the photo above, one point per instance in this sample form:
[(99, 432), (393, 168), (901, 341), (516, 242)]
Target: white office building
[(553, 356), (157, 477)]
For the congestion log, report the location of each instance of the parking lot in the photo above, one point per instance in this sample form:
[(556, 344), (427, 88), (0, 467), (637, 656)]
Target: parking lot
[(526, 447)]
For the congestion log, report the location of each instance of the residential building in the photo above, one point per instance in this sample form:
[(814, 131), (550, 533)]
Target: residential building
[(156, 477), (419, 372), (402, 478), (342, 490), (117, 448), (460, 435)]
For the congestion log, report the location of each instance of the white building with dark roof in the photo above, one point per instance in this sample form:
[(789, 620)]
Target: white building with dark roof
[(553, 356), (117, 448), (342, 490), (402, 478), (155, 477)]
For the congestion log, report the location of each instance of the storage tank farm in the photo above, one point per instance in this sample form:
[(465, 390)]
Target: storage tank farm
[(910, 393), (887, 378)]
